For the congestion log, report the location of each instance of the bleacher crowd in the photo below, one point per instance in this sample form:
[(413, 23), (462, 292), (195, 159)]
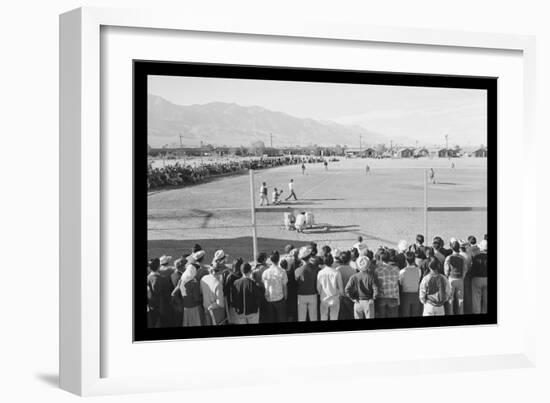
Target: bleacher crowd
[(328, 284), (178, 174)]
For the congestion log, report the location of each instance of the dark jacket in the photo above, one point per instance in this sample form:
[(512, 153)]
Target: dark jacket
[(228, 289), (246, 296), (479, 265), (362, 286), (193, 296), (306, 279)]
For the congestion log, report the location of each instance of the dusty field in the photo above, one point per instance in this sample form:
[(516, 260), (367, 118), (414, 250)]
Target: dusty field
[(383, 206)]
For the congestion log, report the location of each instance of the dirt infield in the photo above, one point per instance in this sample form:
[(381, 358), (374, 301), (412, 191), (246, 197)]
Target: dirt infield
[(383, 206)]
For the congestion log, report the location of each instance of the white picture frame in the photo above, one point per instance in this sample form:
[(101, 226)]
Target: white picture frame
[(82, 343)]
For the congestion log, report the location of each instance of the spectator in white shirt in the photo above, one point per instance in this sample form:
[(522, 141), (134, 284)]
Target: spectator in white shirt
[(409, 281), (275, 282), (329, 287)]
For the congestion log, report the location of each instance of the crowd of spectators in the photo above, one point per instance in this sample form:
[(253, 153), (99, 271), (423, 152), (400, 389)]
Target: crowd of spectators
[(310, 284), (180, 174)]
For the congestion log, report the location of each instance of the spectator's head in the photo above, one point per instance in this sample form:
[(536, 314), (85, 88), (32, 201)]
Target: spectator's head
[(345, 257), (196, 248), (354, 254), (328, 260), (292, 180), (275, 189), (483, 246), (154, 264), (402, 246), (430, 252), (359, 238), (392, 255), (420, 239), (434, 265), (370, 254), (464, 245), (180, 263), (384, 255), (288, 248), (472, 240), (410, 257), (363, 263), (199, 256), (304, 253), (237, 263), (246, 269), (219, 257), (165, 260), (284, 264), (274, 257), (437, 243), (261, 258), (313, 247), (325, 250), (455, 246), (263, 183)]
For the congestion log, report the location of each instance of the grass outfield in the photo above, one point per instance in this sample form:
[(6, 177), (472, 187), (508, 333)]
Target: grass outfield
[(383, 207)]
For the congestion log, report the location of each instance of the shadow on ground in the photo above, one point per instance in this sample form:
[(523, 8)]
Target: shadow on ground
[(235, 247)]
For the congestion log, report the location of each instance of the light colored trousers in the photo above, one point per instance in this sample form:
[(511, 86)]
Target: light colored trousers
[(251, 319), (479, 295), (307, 304), (457, 293), (330, 309), (364, 309), (430, 310), (191, 316)]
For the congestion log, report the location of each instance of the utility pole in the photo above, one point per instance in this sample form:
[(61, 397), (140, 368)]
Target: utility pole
[(360, 144), (271, 140)]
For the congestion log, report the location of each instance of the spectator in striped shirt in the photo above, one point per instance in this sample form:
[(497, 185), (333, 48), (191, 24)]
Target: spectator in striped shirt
[(387, 303)]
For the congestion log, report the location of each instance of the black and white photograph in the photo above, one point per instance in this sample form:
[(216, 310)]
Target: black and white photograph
[(279, 200)]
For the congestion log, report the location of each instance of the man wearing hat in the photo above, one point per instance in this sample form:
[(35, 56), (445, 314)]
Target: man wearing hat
[(362, 289), (212, 291), (478, 274), (306, 281)]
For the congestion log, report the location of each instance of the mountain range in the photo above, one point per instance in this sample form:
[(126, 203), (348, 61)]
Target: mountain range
[(229, 124)]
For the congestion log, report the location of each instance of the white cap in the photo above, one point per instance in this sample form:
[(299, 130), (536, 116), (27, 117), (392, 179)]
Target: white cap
[(362, 262), (402, 245), (165, 259)]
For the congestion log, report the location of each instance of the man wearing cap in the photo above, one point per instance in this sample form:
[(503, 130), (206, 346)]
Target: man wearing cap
[(202, 269), (409, 280), (434, 291), (455, 268), (275, 283), (362, 289), (330, 288), (306, 281), (212, 293), (478, 274), (387, 272)]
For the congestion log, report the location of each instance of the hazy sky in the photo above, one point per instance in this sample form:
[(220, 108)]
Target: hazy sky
[(419, 113)]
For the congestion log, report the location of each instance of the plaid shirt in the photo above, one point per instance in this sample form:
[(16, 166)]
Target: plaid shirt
[(388, 280)]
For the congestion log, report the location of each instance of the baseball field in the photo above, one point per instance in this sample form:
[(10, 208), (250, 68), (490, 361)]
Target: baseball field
[(384, 206)]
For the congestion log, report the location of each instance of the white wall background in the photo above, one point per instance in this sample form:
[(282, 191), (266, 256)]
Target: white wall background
[(29, 201)]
